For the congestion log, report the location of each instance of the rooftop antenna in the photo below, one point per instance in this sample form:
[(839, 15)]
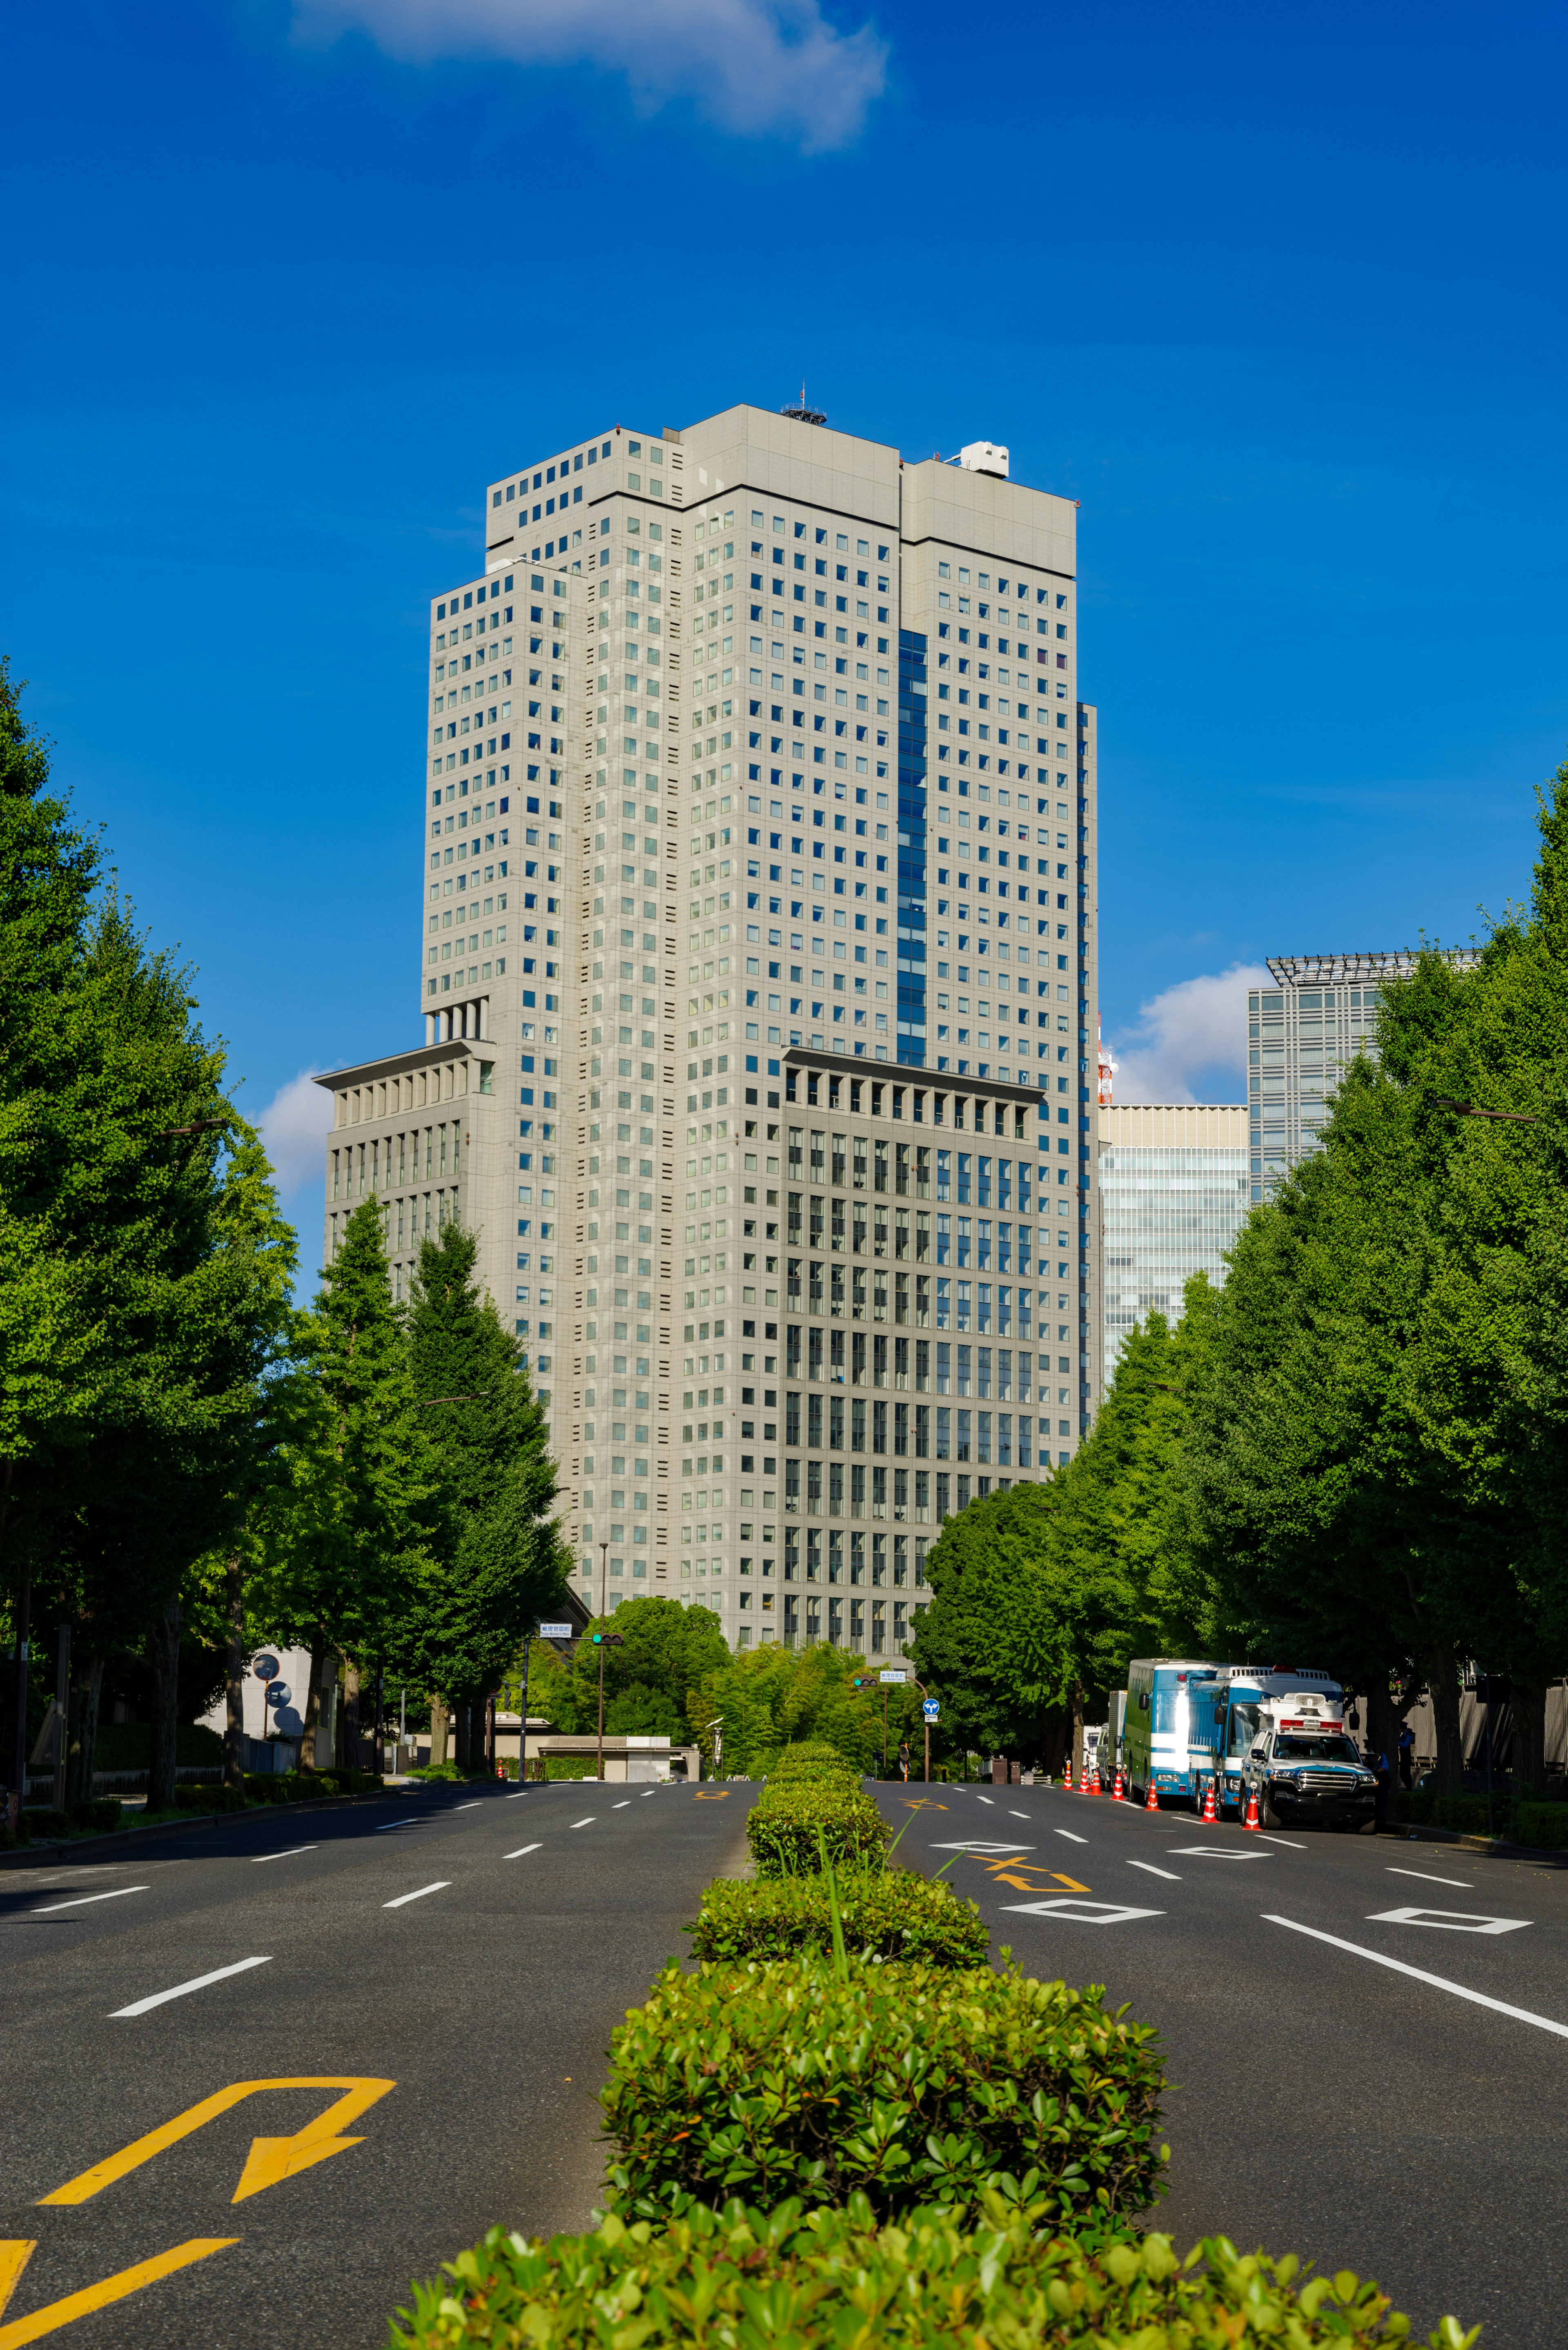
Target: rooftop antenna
[(803, 414)]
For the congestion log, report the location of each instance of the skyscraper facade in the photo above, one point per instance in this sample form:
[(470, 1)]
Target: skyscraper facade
[(758, 790), (1301, 1035), (1173, 1188)]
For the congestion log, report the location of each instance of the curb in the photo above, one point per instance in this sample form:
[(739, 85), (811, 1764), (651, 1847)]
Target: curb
[(94, 1847), (1545, 1855)]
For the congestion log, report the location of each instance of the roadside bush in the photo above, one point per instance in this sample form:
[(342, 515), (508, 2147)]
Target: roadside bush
[(1467, 1813), (208, 1799), (792, 2281), (885, 1914), (97, 1815), (437, 1771), (128, 1746), (1545, 1825), (813, 1759), (41, 1823), (912, 2084), (788, 1826)]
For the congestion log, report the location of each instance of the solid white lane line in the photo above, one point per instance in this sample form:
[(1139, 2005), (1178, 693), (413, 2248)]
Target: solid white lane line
[(1438, 1982), (521, 1851), (468, 1807), (438, 1887), (413, 1821), (289, 1854), (82, 1899), (585, 1824), (1149, 1869), (197, 1982), (1070, 1836), (1427, 1878)]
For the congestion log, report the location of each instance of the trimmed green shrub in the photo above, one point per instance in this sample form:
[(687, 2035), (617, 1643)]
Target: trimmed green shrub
[(437, 1771), (783, 2280), (1467, 1813), (97, 1815), (912, 2084), (788, 1826), (813, 1759), (41, 1823), (208, 1799), (885, 1914), (128, 1746), (1545, 1825)]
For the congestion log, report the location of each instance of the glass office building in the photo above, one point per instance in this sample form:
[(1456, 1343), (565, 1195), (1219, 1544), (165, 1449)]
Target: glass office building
[(1173, 1195)]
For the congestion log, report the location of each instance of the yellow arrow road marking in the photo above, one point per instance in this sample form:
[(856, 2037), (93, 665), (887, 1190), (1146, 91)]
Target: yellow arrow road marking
[(920, 1803), (719, 1795), (98, 2296), (270, 2158), (13, 2258)]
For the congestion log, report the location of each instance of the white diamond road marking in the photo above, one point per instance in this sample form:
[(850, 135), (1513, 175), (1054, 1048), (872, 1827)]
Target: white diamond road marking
[(1462, 1884), (290, 1853), (1216, 1852), (978, 1844), (82, 1899), (1070, 1836), (438, 1887), (585, 1824), (1149, 1869), (522, 1850), (1449, 1921), (197, 1982), (1419, 1974), (1081, 1913)]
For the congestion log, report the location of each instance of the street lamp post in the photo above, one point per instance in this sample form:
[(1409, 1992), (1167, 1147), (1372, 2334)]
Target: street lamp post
[(604, 1598), (523, 1716)]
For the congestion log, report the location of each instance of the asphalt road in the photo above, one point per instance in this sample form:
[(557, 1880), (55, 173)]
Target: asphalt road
[(446, 1967), (1323, 2102)]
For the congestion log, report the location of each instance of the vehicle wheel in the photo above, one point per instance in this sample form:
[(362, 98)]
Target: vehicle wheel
[(1268, 1816)]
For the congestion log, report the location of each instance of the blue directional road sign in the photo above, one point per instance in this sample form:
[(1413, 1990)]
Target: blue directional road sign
[(931, 1710)]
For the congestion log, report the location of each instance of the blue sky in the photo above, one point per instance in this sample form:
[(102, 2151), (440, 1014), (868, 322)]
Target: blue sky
[(1276, 294)]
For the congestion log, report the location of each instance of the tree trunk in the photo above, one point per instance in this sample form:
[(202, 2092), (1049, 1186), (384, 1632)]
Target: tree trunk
[(1383, 1724), (463, 1716), (235, 1689), (83, 1750), (313, 1703), (1528, 1740), (348, 1742), (163, 1655), (1443, 1681), (439, 1719)]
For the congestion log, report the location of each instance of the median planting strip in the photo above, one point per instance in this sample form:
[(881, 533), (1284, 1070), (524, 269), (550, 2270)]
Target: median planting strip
[(845, 2125)]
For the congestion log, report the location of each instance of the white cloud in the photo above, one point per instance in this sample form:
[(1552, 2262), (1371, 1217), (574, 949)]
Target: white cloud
[(293, 1126), (753, 65), (1195, 1029)]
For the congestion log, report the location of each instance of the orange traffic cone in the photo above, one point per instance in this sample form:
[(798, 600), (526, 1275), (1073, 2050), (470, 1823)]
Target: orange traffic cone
[(1208, 1810), (1119, 1792), (1251, 1820), (1091, 1779), (1151, 1801), (1067, 1775)]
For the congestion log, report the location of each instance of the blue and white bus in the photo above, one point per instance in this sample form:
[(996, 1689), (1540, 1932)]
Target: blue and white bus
[(1167, 1699), (1227, 1725)]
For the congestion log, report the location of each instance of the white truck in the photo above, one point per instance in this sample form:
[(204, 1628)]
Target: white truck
[(1303, 1763)]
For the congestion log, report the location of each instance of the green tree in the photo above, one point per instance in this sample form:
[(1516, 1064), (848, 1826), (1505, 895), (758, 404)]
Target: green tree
[(994, 1646), (355, 1522), (668, 1650), (502, 1563), (772, 1697)]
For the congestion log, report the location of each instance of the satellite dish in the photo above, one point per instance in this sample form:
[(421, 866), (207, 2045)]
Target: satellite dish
[(265, 1668)]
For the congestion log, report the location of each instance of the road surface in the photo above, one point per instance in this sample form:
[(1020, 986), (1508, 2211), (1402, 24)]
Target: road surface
[(1367, 2036), (445, 1967)]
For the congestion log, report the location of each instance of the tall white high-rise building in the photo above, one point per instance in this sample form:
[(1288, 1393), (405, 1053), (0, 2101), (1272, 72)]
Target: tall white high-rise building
[(758, 987)]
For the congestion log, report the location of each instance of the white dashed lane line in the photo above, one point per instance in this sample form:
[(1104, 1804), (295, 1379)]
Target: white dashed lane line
[(412, 1821), (292, 1852), (586, 1823), (468, 1807), (621, 1807), (522, 1851), (51, 1909), (1070, 1836), (438, 1887)]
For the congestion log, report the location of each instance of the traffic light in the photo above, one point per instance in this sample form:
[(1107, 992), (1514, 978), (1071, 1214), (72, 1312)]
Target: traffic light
[(608, 1639)]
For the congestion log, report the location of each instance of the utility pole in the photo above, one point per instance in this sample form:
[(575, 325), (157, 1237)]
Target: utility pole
[(522, 1717), (604, 1598)]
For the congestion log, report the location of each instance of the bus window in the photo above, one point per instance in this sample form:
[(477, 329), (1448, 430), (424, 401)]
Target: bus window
[(1167, 1698), (1244, 1730)]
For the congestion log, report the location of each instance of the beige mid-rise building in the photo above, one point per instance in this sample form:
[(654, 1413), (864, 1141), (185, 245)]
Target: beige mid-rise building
[(759, 792)]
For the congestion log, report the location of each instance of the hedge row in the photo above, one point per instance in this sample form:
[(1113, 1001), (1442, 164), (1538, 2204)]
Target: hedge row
[(791, 1825), (811, 1759), (909, 2085), (889, 1914), (741, 2279), (91, 1815)]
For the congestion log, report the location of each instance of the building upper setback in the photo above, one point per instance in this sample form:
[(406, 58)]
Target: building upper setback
[(756, 763)]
